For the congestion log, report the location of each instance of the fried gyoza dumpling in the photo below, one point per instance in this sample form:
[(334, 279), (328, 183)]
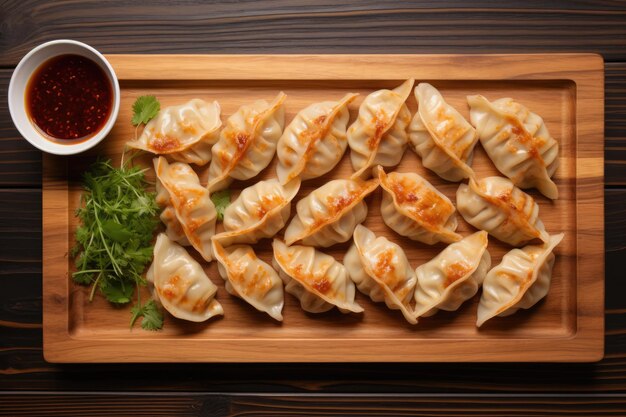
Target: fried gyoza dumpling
[(381, 270), (519, 281), (259, 212), (250, 279), (412, 207), (518, 142), (188, 206), (441, 136), (185, 133), (314, 278), (379, 135), (453, 276), (247, 143), (497, 206), (180, 284), (314, 141), (329, 214)]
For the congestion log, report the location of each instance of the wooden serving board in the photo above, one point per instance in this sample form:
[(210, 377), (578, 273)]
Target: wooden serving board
[(568, 325)]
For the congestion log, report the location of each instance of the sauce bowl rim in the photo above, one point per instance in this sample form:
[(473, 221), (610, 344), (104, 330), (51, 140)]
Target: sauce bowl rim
[(17, 90)]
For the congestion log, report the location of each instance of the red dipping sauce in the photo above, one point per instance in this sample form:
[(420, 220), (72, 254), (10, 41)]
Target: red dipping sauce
[(69, 98)]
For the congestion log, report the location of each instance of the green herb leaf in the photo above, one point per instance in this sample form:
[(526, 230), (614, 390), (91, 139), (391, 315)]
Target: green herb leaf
[(114, 242), (116, 231), (145, 109), (117, 292), (152, 317), (221, 200)]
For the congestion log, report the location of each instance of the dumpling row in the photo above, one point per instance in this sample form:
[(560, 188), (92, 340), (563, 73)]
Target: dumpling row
[(309, 147), (517, 140), (380, 269)]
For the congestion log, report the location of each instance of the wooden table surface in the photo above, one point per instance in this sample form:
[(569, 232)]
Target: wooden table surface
[(30, 386)]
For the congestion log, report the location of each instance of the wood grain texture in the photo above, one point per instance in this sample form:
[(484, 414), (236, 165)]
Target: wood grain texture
[(20, 163), (20, 237), (115, 404), (615, 210), (318, 27), (190, 404), (423, 406), (567, 326), (615, 124)]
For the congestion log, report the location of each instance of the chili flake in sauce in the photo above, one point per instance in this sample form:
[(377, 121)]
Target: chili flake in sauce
[(69, 97)]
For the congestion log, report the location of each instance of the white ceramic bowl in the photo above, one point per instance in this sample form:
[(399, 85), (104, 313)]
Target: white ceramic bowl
[(17, 89)]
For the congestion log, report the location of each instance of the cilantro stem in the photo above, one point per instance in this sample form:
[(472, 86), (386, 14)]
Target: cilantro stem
[(93, 287), (116, 267), (90, 271), (136, 128), (89, 244)]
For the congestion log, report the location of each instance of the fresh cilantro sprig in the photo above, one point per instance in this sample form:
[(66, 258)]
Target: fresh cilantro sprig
[(145, 109), (114, 242), (152, 316), (221, 200)]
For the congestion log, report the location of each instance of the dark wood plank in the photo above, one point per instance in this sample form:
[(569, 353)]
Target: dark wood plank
[(318, 27), (20, 163), (615, 124), (615, 249), (22, 366), (424, 406), (73, 404), (190, 404), (20, 270)]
